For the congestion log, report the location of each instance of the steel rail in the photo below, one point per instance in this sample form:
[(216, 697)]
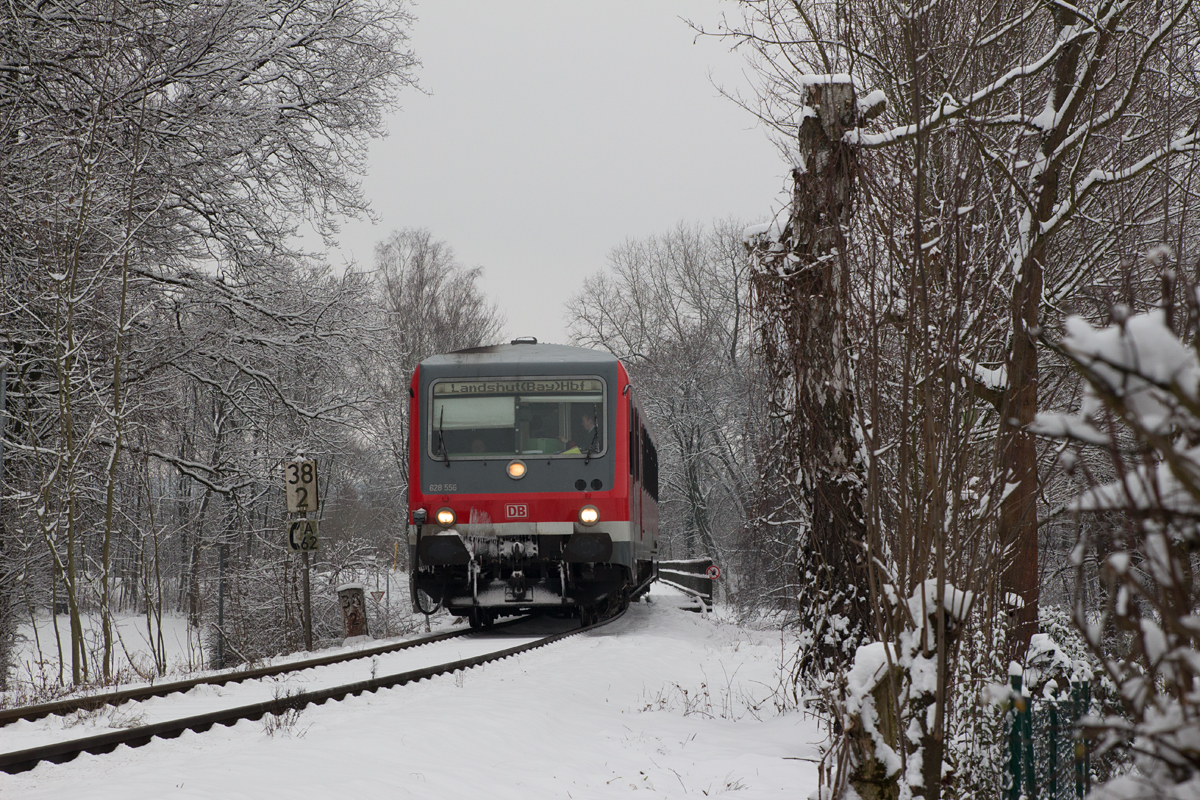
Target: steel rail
[(23, 760), (95, 701)]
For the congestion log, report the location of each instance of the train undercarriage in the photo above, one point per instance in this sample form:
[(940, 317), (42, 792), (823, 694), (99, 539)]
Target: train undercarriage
[(484, 578)]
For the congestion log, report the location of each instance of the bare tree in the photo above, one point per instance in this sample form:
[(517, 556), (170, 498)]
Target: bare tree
[(1141, 413), (431, 304), (802, 283), (1061, 109), (1025, 150), (675, 308), (143, 151)]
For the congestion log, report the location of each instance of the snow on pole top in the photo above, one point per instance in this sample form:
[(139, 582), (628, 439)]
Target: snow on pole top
[(348, 586), (820, 80), (870, 665), (957, 602)]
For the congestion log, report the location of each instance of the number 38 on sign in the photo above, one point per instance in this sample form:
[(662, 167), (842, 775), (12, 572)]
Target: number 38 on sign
[(302, 534), (300, 478)]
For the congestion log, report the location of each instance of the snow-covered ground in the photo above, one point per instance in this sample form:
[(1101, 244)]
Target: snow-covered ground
[(662, 700), (37, 658), (41, 640), (210, 698)]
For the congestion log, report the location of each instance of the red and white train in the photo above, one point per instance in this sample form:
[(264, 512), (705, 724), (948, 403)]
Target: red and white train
[(533, 483)]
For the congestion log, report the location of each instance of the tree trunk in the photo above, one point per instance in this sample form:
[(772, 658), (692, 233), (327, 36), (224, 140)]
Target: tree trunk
[(801, 287), (1018, 451), (1018, 530)]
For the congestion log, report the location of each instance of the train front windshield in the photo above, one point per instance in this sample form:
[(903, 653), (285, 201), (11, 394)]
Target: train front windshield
[(507, 418)]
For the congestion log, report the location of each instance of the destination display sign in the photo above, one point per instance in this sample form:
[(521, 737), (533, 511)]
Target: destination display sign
[(521, 386)]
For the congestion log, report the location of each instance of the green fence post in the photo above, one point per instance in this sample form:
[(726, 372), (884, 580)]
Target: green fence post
[(1076, 702), (1052, 761), (1014, 739), (1030, 767), (1087, 751)]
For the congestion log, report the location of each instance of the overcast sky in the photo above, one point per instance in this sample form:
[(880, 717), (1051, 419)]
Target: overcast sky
[(552, 131)]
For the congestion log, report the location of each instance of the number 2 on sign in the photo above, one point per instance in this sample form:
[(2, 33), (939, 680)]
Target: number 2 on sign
[(300, 478)]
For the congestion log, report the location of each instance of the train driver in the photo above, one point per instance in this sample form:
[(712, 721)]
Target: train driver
[(589, 439)]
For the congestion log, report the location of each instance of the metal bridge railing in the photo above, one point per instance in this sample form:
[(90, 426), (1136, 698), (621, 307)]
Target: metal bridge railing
[(693, 576)]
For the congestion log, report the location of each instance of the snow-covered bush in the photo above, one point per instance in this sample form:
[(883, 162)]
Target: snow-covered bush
[(974, 766), (1143, 387), (890, 692)]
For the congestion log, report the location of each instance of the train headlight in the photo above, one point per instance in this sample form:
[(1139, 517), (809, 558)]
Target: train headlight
[(445, 517), (516, 470), (589, 515)]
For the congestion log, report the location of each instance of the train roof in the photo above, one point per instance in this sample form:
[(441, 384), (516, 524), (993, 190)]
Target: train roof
[(524, 354)]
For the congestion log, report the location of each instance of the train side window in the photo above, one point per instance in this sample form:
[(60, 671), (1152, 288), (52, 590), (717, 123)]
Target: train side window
[(635, 453), (650, 467), (643, 463), (632, 441), (654, 486), (654, 462)]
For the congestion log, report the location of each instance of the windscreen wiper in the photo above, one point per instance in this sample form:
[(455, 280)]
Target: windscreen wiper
[(441, 436)]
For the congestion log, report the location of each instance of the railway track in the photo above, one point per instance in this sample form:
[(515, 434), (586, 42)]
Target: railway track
[(135, 736), (95, 701)]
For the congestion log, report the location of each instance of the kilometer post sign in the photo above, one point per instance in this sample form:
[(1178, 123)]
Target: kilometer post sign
[(300, 479)]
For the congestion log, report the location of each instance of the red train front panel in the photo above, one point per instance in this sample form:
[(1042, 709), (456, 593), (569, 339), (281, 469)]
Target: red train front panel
[(529, 487)]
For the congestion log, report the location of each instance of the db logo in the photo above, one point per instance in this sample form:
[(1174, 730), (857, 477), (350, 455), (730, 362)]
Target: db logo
[(516, 511)]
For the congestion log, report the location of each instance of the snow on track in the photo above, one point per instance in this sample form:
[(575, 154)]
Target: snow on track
[(208, 698), (659, 700)]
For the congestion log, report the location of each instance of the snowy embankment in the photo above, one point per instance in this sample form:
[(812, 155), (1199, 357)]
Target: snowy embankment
[(36, 664), (662, 700)]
